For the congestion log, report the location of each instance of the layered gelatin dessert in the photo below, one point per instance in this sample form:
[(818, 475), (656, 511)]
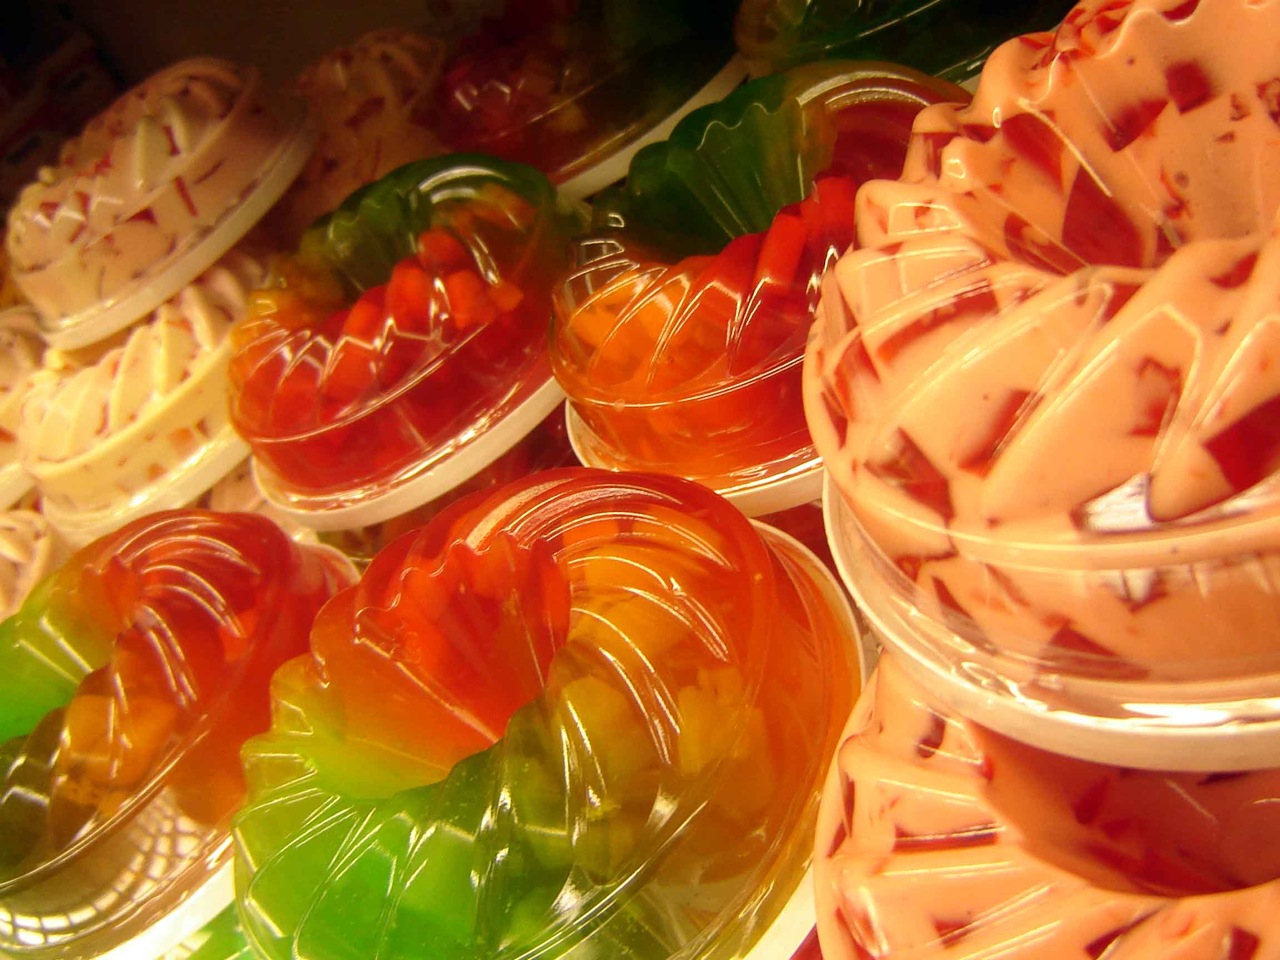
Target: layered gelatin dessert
[(132, 676), (1044, 385), (583, 713), (679, 339)]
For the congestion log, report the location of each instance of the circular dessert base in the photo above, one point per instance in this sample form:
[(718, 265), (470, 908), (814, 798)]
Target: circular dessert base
[(324, 514), (1163, 728), (187, 918), (614, 168), (175, 489), (755, 498), (202, 249), (788, 932)]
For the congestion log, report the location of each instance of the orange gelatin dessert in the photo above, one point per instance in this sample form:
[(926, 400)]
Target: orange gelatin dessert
[(581, 713), (411, 320), (679, 341), (133, 675)]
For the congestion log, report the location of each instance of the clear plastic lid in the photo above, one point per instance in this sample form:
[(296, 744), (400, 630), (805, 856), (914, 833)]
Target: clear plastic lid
[(139, 422), (153, 191), (404, 347), (947, 39), (20, 352), (568, 88), (680, 336), (133, 675), (938, 838), (1045, 384), (588, 711)]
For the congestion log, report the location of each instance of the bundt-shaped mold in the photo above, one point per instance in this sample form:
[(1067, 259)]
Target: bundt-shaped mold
[(680, 338), (583, 712), (1045, 382), (152, 192), (945, 39), (412, 320), (938, 839), (563, 87), (133, 675), (139, 422), (369, 101)]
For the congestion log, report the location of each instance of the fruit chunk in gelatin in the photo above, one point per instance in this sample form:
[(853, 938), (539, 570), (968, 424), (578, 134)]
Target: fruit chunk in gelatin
[(584, 711)]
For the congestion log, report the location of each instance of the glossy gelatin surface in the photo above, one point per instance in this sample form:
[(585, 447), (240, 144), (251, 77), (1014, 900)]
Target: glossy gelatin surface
[(679, 340), (582, 713), (412, 319), (562, 85), (940, 839), (1046, 383), (946, 39), (132, 676)]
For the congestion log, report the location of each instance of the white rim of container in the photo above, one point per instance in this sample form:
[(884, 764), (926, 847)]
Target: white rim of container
[(755, 498), (614, 167), (449, 473), (202, 250), (1150, 742), (186, 918)]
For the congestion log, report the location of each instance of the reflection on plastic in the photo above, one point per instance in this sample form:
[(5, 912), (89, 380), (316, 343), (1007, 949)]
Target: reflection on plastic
[(939, 839), (133, 675), (582, 714), (690, 364), (1046, 384), (947, 39), (451, 262)]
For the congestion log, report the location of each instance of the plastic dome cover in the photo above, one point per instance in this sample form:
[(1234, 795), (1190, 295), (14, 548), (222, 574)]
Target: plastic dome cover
[(679, 338), (585, 711)]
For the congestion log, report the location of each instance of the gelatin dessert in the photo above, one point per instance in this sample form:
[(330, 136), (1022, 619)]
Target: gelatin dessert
[(132, 676), (941, 840), (1045, 382), (154, 190), (679, 340), (369, 102), (573, 87), (409, 326), (582, 714), (948, 39), (139, 422)]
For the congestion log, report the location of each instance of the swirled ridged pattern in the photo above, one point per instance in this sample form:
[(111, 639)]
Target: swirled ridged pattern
[(580, 713), (938, 840), (1060, 333)]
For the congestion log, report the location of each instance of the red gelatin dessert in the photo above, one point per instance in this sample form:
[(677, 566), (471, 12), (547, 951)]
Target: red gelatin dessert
[(679, 342), (133, 675), (583, 713), (412, 320), (1045, 384), (941, 840)]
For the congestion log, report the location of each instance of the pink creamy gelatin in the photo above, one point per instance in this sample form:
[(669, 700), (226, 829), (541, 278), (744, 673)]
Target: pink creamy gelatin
[(938, 839), (1047, 382)]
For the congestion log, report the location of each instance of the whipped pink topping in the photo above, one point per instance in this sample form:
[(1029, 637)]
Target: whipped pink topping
[(167, 160), (159, 385), (939, 841), (368, 100), (1047, 383)]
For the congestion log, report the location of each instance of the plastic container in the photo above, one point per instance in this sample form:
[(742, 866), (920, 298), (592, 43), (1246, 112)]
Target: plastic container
[(368, 101), (30, 549), (403, 349), (946, 39), (582, 711), (575, 89), (679, 339), (139, 423), (1048, 406), (156, 188), (938, 838), (20, 352), (132, 677)]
